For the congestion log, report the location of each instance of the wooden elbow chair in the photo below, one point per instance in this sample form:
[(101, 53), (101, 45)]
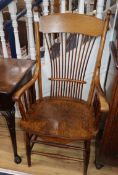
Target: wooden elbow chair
[(64, 116)]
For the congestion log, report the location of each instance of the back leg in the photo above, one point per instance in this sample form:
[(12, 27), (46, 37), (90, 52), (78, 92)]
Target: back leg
[(28, 149)]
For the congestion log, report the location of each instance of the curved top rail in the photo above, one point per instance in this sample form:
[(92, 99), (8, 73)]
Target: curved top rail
[(76, 23)]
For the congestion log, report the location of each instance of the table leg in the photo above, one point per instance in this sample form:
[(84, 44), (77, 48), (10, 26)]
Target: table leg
[(10, 118)]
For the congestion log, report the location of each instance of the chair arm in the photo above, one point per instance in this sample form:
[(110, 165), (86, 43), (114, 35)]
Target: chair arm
[(104, 105), (99, 97), (100, 104), (19, 93)]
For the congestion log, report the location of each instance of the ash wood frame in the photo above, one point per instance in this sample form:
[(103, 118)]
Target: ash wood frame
[(96, 95)]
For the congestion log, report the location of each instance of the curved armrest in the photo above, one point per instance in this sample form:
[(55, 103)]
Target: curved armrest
[(19, 93), (104, 105)]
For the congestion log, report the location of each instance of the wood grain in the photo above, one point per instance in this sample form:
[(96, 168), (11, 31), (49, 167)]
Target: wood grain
[(64, 116)]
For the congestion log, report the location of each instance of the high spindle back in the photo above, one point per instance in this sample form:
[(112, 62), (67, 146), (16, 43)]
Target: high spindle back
[(70, 39)]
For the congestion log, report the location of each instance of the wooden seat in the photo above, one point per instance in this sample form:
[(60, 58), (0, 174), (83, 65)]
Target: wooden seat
[(56, 118), (65, 115)]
